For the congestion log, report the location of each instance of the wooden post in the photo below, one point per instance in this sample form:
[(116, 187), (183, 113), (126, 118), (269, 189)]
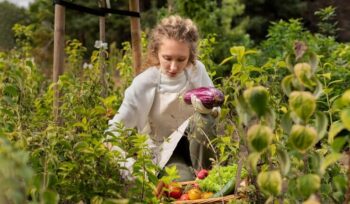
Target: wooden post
[(135, 36), (102, 20), (58, 57)]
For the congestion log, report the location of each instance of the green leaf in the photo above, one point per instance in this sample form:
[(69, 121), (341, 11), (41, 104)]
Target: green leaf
[(314, 62), (248, 52), (236, 68), (335, 128), (50, 197), (286, 122), (327, 75), (226, 60), (96, 200), (340, 182), (289, 63), (243, 110), (339, 143), (318, 90), (83, 147), (281, 64), (270, 118), (345, 118), (98, 110), (238, 51), (330, 159), (321, 124), (335, 82), (314, 161), (11, 90), (81, 125), (29, 64), (287, 84), (252, 161), (171, 174), (283, 160), (116, 201)]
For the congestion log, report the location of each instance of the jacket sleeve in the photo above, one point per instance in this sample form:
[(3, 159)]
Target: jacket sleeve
[(199, 76), (137, 102)]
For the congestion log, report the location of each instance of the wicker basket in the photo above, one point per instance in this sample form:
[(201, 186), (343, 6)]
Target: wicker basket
[(224, 199)]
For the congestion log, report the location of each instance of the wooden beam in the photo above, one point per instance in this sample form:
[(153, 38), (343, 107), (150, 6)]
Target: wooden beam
[(135, 36), (58, 57)]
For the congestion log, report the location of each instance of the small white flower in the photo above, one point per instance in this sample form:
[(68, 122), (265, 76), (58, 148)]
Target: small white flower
[(104, 45), (87, 66), (98, 44)]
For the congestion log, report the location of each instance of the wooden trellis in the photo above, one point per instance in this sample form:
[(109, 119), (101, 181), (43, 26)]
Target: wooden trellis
[(59, 33)]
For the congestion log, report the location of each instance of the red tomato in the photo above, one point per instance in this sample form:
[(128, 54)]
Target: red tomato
[(175, 190), (184, 197)]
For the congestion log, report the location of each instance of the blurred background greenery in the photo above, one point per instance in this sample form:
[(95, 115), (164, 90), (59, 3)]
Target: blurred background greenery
[(231, 21)]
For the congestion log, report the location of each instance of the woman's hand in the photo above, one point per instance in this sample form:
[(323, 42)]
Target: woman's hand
[(108, 145), (200, 108), (126, 172)]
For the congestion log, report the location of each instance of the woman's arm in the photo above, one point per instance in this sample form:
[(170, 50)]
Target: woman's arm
[(137, 102)]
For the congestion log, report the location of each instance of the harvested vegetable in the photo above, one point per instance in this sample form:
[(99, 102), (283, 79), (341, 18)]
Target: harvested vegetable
[(227, 189), (219, 176), (194, 194), (202, 174), (206, 195), (209, 96)]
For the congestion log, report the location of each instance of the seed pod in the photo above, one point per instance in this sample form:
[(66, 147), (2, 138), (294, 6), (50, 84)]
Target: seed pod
[(302, 71), (302, 103), (209, 96), (270, 182), (346, 98), (308, 184), (345, 117), (258, 98), (259, 137), (302, 137)]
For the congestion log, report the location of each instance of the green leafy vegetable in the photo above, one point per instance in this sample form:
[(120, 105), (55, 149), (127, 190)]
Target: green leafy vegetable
[(219, 176)]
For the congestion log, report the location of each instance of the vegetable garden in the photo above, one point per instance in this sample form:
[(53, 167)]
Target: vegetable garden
[(283, 129)]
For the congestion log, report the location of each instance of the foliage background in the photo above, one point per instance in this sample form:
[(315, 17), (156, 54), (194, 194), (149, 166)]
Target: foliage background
[(242, 46)]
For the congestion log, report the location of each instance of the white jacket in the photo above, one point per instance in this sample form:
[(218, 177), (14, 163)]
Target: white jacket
[(139, 96), (138, 100)]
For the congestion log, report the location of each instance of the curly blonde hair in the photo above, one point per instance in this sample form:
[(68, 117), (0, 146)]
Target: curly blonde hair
[(176, 28)]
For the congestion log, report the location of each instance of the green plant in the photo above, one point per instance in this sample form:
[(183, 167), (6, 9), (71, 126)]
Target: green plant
[(15, 174), (327, 25)]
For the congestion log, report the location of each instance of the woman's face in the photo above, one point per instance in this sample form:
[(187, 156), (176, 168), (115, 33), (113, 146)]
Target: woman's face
[(173, 56)]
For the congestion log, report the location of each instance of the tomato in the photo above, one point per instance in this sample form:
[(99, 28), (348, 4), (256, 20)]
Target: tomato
[(184, 197), (174, 190), (194, 194)]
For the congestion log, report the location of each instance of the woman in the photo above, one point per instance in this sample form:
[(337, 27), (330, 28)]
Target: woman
[(152, 103)]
